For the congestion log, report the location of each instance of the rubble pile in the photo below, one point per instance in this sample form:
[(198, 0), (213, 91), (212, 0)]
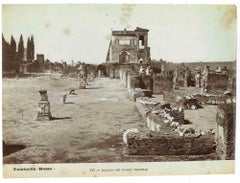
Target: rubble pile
[(211, 99), (189, 102), (162, 109)]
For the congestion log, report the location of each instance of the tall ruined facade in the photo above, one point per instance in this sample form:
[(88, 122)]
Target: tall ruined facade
[(129, 47)]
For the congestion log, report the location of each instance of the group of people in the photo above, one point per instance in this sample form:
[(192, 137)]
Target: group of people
[(147, 71)]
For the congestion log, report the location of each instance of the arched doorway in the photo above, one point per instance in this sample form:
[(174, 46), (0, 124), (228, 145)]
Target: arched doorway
[(123, 57)]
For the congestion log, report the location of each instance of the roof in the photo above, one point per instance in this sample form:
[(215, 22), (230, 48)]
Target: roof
[(138, 29), (128, 33), (123, 33)]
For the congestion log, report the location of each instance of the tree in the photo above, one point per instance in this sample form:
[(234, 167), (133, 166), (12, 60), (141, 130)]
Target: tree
[(29, 49), (20, 49), (5, 54), (12, 50), (32, 48)]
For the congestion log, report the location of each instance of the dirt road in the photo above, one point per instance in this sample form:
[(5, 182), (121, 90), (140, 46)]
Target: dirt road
[(89, 128)]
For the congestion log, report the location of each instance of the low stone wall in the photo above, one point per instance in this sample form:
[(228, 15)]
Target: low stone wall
[(225, 137), (155, 144)]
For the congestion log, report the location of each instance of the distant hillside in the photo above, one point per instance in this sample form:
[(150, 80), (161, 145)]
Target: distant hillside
[(212, 65)]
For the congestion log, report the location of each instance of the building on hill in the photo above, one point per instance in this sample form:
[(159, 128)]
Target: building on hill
[(129, 46), (40, 58)]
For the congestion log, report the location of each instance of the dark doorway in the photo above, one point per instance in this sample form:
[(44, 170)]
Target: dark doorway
[(124, 57)]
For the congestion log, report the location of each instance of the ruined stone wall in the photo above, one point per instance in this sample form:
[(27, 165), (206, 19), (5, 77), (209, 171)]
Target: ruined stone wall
[(112, 70), (162, 84), (129, 75), (161, 139), (146, 82), (123, 75), (132, 80), (169, 145), (225, 136), (217, 83)]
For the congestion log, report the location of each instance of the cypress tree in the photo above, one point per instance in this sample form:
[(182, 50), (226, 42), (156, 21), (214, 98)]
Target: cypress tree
[(32, 48), (5, 54), (12, 50), (29, 50), (20, 49)]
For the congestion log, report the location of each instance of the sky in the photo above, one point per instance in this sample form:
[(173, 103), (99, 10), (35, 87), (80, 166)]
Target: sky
[(81, 32)]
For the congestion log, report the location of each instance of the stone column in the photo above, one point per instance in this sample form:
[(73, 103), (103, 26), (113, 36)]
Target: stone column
[(204, 79), (175, 79)]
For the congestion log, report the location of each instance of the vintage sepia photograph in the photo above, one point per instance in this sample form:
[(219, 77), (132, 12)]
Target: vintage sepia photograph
[(118, 89)]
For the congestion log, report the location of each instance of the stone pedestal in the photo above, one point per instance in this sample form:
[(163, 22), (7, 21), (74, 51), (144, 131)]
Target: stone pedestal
[(82, 84), (99, 73), (44, 107)]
